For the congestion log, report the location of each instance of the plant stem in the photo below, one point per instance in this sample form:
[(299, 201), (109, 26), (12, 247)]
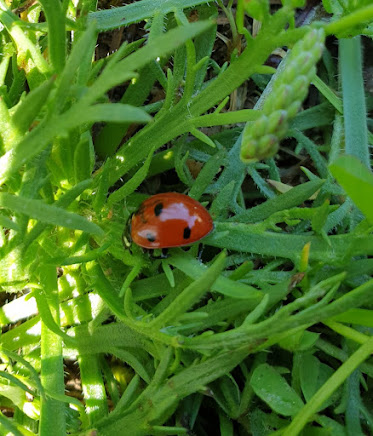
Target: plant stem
[(52, 414)]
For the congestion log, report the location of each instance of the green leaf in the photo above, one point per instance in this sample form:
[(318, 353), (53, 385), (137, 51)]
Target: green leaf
[(130, 187), (8, 223), (243, 238), (138, 11), (63, 202), (48, 214), (313, 374), (318, 221), (356, 179), (18, 397), (84, 158), (207, 174), (362, 317), (114, 112), (295, 197), (227, 394), (84, 45), (299, 341), (220, 205), (30, 106), (273, 389)]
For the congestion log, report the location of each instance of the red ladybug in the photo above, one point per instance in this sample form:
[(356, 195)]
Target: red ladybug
[(170, 220)]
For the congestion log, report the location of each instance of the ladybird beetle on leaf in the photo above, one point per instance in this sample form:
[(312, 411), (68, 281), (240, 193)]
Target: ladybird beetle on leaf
[(169, 220)]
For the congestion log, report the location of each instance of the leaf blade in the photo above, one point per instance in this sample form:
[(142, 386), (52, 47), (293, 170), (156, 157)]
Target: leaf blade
[(47, 213)]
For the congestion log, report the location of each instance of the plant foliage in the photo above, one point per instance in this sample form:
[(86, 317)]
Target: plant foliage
[(266, 325)]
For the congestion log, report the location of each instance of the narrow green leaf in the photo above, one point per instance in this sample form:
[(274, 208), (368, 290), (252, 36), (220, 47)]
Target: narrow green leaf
[(114, 112), (132, 360), (8, 223), (356, 179), (354, 107), (223, 200), (30, 106), (47, 317), (273, 389), (294, 197), (56, 33), (243, 238), (135, 12), (85, 43), (227, 394), (48, 214), (62, 202), (207, 174), (130, 187), (84, 158), (33, 377), (14, 381), (18, 397), (362, 317)]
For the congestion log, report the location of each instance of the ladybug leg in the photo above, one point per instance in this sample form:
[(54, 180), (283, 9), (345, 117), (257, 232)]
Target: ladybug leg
[(162, 255), (200, 251)]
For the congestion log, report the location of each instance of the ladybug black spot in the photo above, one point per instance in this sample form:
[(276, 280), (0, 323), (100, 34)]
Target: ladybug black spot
[(158, 209), (187, 232), (150, 237)]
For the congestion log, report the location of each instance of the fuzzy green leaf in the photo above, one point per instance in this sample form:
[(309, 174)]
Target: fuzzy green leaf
[(114, 112), (30, 106), (294, 197), (138, 11), (357, 181), (48, 214)]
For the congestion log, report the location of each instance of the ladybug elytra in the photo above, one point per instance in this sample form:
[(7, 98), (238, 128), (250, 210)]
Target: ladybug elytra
[(170, 220)]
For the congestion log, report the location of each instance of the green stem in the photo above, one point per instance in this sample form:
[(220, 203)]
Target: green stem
[(52, 415), (347, 332), (93, 387)]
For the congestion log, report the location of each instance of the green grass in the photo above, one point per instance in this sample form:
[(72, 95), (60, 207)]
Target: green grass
[(265, 326)]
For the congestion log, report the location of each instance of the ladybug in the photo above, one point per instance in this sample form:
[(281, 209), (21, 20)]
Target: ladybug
[(169, 220)]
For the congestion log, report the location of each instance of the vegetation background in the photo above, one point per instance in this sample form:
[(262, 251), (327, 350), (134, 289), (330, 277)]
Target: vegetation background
[(258, 109)]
